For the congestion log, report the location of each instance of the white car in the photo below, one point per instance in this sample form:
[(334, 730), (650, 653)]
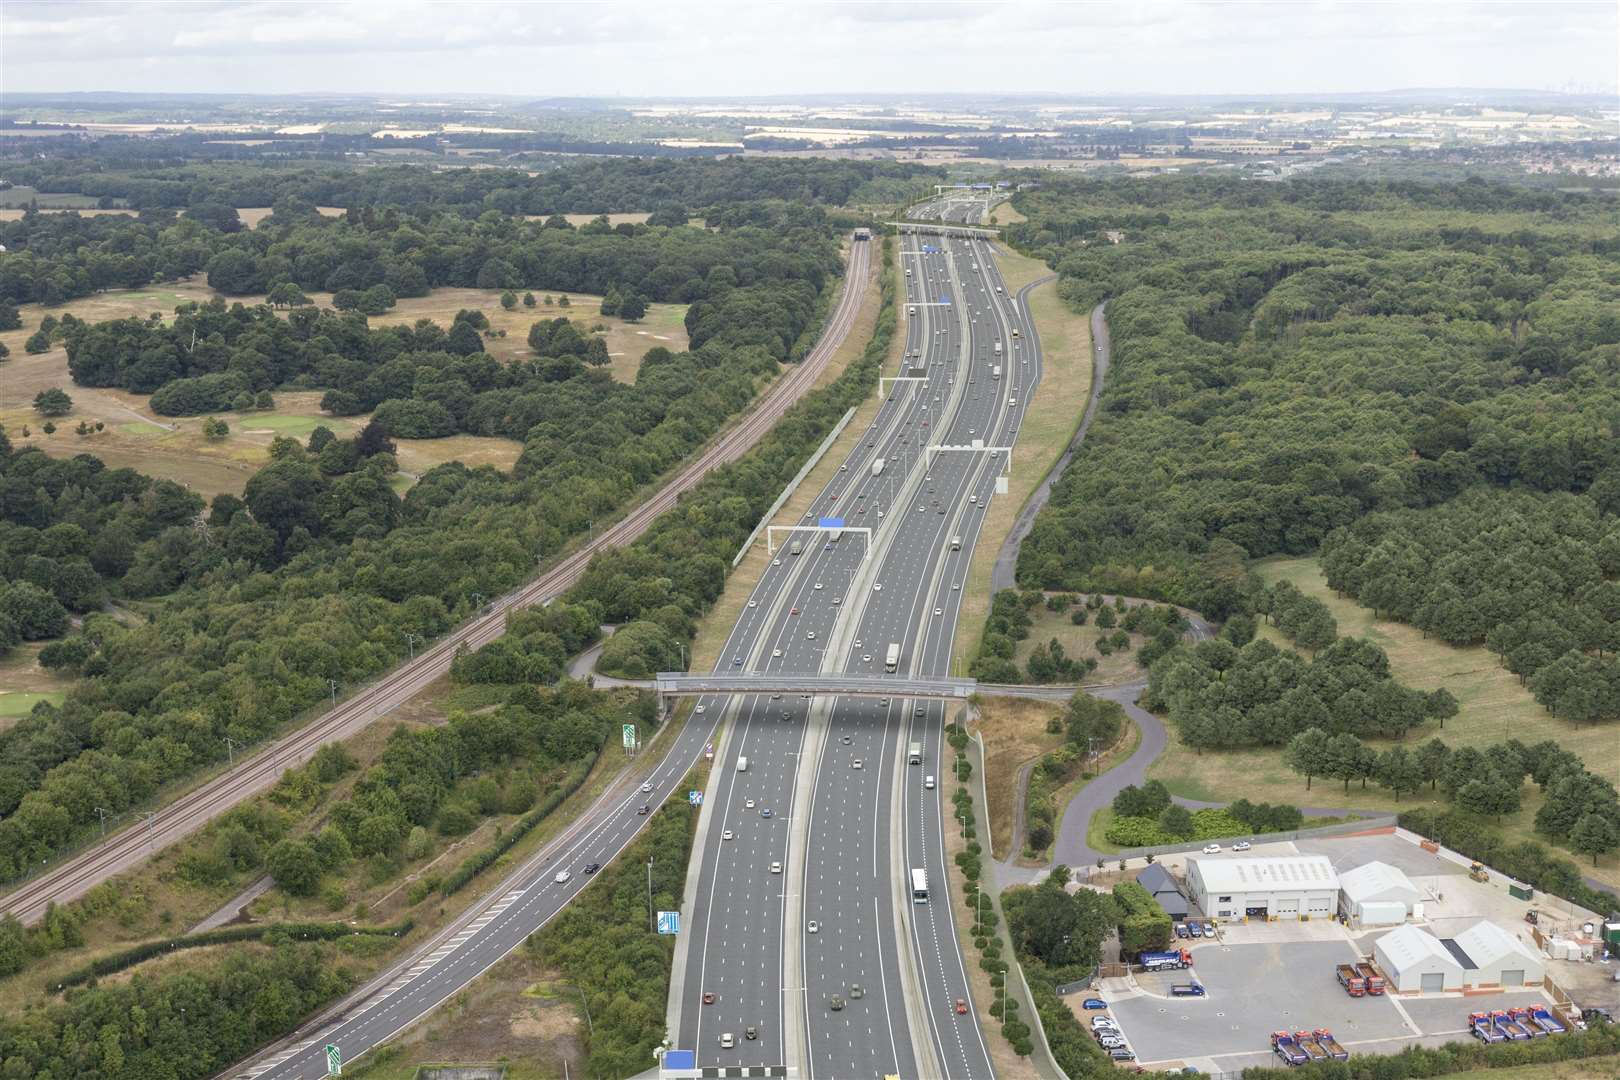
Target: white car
[(776, 562), (1212, 849), (810, 635), (562, 877), (857, 643), (856, 763), (748, 804), (818, 586), (776, 654), (776, 868), (956, 586), (837, 600), (877, 586), (928, 782), (866, 658), (813, 927), (939, 611), (726, 1041), (753, 603), (646, 788), (1242, 845), (728, 835)]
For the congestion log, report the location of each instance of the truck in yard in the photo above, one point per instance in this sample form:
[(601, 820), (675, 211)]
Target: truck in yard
[(1187, 990), (1165, 961), (1524, 1019), (1375, 981), (1479, 1024), (1313, 1049), (1325, 1039), (1287, 1049), (1547, 1019), (1351, 980), (1509, 1026)]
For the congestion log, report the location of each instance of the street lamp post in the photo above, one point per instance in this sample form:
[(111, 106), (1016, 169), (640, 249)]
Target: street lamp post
[(230, 750), (102, 814), (411, 641)]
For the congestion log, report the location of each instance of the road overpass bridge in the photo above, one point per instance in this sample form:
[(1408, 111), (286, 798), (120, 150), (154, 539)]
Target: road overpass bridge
[(939, 227), (682, 684)]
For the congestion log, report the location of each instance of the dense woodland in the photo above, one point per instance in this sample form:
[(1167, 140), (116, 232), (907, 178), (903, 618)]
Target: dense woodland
[(1288, 357)]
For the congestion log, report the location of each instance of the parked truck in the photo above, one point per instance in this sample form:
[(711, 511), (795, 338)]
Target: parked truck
[(1524, 1019), (1375, 981), (1313, 1049), (1509, 1026), (1173, 960), (1187, 990), (1547, 1019), (1325, 1039), (1287, 1049), (877, 467), (1480, 1025), (1351, 980)]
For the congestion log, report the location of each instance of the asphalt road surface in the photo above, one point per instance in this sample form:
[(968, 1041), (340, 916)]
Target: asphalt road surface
[(804, 945)]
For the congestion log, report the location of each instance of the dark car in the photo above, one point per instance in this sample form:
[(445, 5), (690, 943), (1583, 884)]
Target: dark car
[(1182, 931), (593, 868), (750, 1032), (644, 811)]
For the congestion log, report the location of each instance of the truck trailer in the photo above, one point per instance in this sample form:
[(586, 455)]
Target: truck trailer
[(1351, 980), (1173, 960), (1313, 1049), (1526, 1020), (1375, 981), (1509, 1026), (1480, 1025), (1287, 1049), (1325, 1039), (1547, 1019)]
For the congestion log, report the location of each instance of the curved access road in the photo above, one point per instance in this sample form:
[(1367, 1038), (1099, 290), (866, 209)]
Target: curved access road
[(122, 850), (1003, 574)]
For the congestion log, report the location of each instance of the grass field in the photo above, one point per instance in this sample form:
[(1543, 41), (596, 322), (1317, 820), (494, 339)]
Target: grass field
[(1014, 731), (1004, 214), (15, 703), (715, 627), (1081, 641), (1049, 423), (1494, 707), (1603, 1068), (23, 682)]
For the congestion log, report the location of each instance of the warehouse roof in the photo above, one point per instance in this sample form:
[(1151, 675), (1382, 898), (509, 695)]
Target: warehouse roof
[(1375, 881), (1262, 874), (1487, 944), (1407, 946), (1159, 881)]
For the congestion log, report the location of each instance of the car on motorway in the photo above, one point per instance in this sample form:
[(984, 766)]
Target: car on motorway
[(812, 927), (748, 804), (1212, 849), (767, 812), (818, 586), (728, 835), (956, 586), (750, 1032), (866, 658), (856, 763), (727, 1040), (776, 654), (1094, 1003), (837, 600), (776, 562), (793, 611), (736, 661), (1242, 845), (928, 782), (646, 787), (961, 1007), (591, 868), (701, 709), (776, 868), (708, 997), (644, 811), (563, 877), (856, 992), (883, 702), (846, 740), (939, 611), (877, 586), (835, 1003), (810, 635)]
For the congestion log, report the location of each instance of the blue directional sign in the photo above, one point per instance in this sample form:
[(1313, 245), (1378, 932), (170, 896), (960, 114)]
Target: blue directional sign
[(680, 1059), (945, 300), (695, 798), (669, 922), (830, 523)]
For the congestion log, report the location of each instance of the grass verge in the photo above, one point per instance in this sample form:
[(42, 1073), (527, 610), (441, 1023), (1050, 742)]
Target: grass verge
[(1014, 732)]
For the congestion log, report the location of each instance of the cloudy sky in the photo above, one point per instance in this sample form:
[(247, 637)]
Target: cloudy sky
[(719, 47)]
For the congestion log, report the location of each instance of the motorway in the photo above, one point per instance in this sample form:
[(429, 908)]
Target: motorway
[(803, 947), (73, 877)]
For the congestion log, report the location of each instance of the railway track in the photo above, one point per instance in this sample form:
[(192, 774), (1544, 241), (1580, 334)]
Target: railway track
[(121, 850)]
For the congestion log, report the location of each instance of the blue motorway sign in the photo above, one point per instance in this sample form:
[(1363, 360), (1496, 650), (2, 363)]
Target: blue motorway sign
[(830, 523), (680, 1059), (669, 922)]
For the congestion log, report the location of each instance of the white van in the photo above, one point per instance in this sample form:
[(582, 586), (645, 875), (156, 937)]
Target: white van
[(742, 764)]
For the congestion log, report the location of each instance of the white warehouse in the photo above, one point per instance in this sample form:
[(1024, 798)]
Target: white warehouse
[(1378, 894), (1491, 956), (1416, 960), (1274, 887)]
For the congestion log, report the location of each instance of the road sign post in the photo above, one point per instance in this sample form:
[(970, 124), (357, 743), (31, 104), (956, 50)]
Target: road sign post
[(334, 1060), (695, 798), (629, 736), (669, 922)]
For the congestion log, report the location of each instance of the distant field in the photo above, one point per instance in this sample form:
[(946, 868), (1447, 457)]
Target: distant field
[(252, 215), (16, 200), (15, 703), (1494, 708)]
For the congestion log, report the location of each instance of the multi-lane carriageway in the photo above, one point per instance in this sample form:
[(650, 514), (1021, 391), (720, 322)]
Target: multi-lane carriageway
[(800, 892)]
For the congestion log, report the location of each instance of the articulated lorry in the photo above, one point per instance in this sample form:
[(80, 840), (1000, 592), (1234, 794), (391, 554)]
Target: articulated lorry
[(1351, 980), (1325, 1039), (1287, 1049), (1173, 960)]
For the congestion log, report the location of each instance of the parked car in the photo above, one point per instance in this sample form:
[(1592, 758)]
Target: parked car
[(1209, 928), (1094, 1003), (1242, 845), (1212, 849), (1195, 930)]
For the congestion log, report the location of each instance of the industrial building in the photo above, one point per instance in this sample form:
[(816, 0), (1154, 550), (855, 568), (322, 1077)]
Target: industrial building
[(1414, 960), (1158, 881), (1492, 956), (1484, 955), (1378, 894), (1274, 887)]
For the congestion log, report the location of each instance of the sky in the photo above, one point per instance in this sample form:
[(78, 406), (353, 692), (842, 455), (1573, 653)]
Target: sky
[(671, 48)]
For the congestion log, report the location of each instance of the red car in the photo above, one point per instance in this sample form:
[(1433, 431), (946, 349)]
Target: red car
[(708, 997), (793, 611), (961, 1007)]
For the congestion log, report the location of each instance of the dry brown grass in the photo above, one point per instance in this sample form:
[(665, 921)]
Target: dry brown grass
[(1005, 214), (252, 215), (1014, 731), (1494, 708), (1051, 417), (715, 627), (1080, 642)]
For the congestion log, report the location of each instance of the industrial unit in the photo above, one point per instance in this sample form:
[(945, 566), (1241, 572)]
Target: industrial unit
[(1492, 956), (1159, 881), (1275, 887), (1378, 894), (1414, 960)]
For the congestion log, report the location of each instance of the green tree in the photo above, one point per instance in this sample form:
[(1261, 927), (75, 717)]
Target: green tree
[(509, 300), (1432, 759), (215, 428), (1177, 821), (632, 308), (1399, 771), (1307, 754), (1594, 835), (38, 342), (295, 867), (53, 402)]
